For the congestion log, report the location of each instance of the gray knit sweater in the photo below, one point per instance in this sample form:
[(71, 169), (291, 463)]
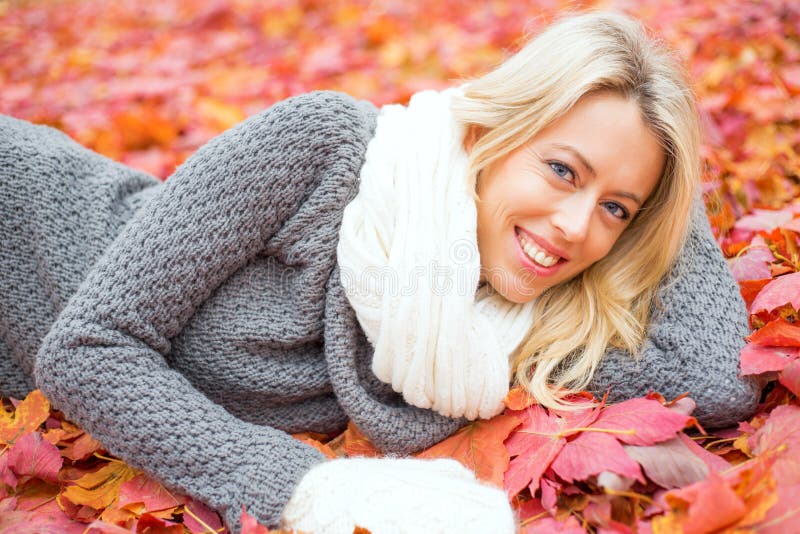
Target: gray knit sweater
[(191, 325)]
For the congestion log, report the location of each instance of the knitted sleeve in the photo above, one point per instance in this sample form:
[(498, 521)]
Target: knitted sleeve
[(103, 364), (693, 339)]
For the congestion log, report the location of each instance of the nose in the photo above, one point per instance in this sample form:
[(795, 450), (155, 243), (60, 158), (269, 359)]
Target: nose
[(572, 216)]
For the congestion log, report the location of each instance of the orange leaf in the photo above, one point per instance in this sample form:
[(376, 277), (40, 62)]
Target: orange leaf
[(358, 444), (306, 438), (518, 399), (751, 288), (100, 488), (147, 491), (479, 446), (777, 333), (27, 417)]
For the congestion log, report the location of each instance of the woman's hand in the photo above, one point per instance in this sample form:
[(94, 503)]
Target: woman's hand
[(397, 496)]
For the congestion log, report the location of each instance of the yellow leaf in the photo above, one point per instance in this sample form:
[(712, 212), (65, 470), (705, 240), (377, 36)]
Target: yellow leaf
[(27, 417), (100, 488)]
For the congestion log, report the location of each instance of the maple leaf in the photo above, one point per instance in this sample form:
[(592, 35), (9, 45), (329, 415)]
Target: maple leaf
[(518, 398), (548, 524), (356, 443), (7, 476), (641, 421), (591, 453), (100, 488), (675, 462), (479, 447), (782, 290), (749, 289), (147, 492), (790, 377), (754, 263), (756, 359), (40, 523), (31, 455), (737, 498), (764, 220), (321, 447), (537, 443), (199, 518), (779, 333), (27, 417), (250, 525), (780, 436), (784, 515)]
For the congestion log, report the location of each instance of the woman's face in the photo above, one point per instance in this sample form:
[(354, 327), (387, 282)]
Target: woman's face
[(565, 196)]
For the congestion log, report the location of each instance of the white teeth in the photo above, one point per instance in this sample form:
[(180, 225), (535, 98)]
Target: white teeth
[(535, 254)]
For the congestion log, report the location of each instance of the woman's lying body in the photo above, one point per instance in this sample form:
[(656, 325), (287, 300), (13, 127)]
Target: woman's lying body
[(191, 325)]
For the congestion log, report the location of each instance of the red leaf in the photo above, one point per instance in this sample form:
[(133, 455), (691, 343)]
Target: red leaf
[(780, 434), (784, 289), (790, 377), (20, 522), (7, 476), (250, 525), (754, 263), (711, 505), (766, 220), (749, 289), (670, 464), (641, 421), (196, 509), (784, 515), (715, 463), (535, 445), (145, 490), (101, 527), (756, 359), (149, 524), (591, 453), (549, 525), (33, 456), (779, 333)]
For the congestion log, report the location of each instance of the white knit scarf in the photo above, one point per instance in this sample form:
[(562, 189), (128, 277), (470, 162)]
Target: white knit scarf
[(409, 264)]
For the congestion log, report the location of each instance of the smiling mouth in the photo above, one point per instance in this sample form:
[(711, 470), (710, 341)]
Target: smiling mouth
[(536, 254)]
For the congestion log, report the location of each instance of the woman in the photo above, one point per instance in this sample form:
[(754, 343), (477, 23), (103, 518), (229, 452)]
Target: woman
[(191, 325)]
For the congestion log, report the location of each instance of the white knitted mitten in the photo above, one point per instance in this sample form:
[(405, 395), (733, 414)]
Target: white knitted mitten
[(394, 496)]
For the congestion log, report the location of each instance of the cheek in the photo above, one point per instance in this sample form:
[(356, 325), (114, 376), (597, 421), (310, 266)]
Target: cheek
[(598, 245)]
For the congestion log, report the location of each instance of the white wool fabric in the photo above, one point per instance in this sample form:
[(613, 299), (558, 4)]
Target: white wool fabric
[(396, 496), (409, 264)]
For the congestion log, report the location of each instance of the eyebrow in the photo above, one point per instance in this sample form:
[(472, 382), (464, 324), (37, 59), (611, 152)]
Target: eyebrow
[(574, 151)]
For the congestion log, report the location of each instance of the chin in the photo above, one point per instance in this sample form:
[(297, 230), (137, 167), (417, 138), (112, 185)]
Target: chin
[(518, 297)]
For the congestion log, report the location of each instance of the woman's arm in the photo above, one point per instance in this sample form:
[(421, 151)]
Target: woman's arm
[(693, 340), (103, 364)]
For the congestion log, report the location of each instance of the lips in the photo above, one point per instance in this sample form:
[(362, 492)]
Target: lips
[(544, 245)]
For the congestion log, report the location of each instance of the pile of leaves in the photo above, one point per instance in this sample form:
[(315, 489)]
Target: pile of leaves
[(147, 83)]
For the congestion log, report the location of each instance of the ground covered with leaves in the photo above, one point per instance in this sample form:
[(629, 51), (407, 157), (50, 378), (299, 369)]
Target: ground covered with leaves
[(146, 83)]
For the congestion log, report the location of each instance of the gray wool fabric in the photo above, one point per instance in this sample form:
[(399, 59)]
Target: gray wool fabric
[(191, 325)]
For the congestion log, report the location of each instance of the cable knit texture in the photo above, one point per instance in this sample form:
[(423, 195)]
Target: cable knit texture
[(190, 325)]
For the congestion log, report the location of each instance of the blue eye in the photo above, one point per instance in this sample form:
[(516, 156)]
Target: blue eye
[(618, 210), (562, 170)]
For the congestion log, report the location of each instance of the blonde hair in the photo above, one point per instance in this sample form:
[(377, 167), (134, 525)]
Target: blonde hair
[(609, 303)]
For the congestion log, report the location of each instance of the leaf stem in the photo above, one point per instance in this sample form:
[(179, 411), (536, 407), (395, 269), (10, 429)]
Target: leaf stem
[(571, 431), (534, 518), (203, 524), (628, 493)]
